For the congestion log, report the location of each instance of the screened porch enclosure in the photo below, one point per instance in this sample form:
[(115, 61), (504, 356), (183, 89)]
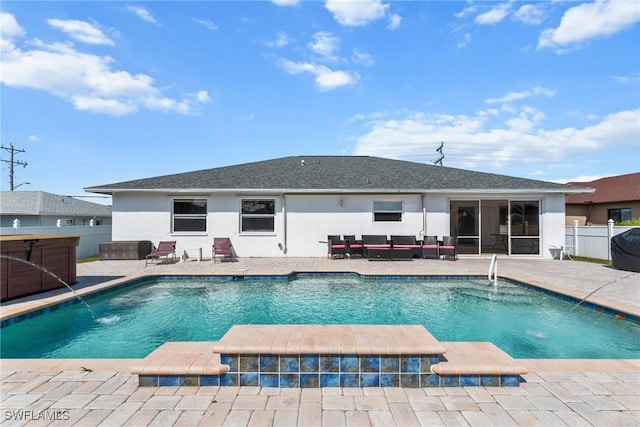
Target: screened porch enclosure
[(496, 226)]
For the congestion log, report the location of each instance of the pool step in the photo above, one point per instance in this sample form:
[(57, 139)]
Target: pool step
[(478, 363), (329, 339), (328, 356), (180, 364)]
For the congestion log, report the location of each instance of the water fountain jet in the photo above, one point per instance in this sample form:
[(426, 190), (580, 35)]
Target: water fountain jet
[(43, 269)]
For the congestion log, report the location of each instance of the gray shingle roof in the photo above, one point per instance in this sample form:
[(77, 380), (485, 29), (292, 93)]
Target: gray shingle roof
[(333, 173), (43, 203)]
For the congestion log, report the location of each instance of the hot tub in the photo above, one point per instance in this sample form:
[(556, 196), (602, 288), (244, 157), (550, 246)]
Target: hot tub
[(22, 254)]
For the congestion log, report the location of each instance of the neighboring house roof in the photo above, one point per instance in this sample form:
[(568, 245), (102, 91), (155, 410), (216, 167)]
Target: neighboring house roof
[(621, 188), (322, 174), (43, 203)]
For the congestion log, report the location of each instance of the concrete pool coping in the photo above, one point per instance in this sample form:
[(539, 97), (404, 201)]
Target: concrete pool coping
[(576, 386)]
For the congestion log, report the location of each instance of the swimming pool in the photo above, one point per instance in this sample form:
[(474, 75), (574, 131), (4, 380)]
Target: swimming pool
[(134, 320)]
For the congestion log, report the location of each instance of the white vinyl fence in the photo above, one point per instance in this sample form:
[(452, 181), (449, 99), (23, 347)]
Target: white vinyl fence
[(592, 241), (90, 236)]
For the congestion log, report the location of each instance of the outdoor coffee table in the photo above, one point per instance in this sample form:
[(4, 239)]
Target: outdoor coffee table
[(379, 254)]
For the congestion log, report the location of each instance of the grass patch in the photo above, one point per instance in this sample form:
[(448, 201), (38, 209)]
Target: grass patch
[(593, 260), (88, 259), (630, 223)]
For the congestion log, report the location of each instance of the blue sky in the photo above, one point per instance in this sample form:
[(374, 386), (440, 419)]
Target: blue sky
[(102, 92)]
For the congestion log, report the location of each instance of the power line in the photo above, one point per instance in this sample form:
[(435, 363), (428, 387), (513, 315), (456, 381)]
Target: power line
[(12, 163), (457, 152)]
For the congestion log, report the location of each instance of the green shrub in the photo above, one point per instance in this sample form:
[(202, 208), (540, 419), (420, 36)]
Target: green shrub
[(630, 223)]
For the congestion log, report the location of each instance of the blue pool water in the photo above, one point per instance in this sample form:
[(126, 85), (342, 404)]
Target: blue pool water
[(135, 320)]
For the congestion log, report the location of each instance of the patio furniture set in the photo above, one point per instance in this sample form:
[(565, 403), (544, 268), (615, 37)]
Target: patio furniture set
[(222, 248), (377, 247)]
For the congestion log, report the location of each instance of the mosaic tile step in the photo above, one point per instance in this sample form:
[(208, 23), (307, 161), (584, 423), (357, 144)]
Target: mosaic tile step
[(477, 358), (182, 358), (329, 356), (329, 339), (329, 370)]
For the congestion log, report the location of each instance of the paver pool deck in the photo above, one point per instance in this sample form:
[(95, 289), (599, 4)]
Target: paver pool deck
[(88, 392)]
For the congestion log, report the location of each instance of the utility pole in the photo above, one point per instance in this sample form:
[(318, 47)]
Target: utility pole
[(439, 150), (12, 162)]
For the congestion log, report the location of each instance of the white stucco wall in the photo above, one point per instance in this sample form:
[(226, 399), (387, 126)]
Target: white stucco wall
[(309, 219), (553, 228)]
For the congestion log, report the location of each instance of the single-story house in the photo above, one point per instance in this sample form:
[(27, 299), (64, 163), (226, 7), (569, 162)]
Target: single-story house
[(288, 206), (42, 209), (615, 197)]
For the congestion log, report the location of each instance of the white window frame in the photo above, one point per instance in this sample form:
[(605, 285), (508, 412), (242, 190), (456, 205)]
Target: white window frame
[(257, 215), (380, 210), (175, 216)]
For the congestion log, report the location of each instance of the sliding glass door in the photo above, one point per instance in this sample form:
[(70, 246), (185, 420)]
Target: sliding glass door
[(496, 226), (465, 225), (524, 220)]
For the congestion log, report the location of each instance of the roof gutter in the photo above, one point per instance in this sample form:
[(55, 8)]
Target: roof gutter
[(300, 191)]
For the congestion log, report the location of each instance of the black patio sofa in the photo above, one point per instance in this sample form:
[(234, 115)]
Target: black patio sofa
[(403, 246), (376, 247)]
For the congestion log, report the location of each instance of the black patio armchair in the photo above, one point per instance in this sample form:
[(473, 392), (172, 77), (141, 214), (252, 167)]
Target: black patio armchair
[(448, 247), (354, 247), (336, 247), (430, 248)]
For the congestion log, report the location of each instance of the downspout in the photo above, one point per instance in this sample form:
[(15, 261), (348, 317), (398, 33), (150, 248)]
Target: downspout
[(284, 219), (424, 216), (589, 209)]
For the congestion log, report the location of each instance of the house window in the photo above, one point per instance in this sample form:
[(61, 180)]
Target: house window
[(65, 222), (620, 215), (258, 216), (387, 210), (189, 215)]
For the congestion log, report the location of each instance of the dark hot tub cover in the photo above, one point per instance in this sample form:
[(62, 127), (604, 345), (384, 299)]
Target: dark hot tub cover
[(625, 250)]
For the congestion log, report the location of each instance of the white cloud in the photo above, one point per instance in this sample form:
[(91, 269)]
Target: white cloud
[(532, 14), (587, 21), (356, 13), (517, 96), (202, 96), (362, 58), (96, 104), (285, 2), (34, 138), (9, 27), (325, 44), (208, 24), (469, 10), (88, 81), (584, 178), (494, 15), (326, 79), (281, 41), (142, 13), (394, 21), (81, 31), (464, 41), (627, 79), (491, 138)]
